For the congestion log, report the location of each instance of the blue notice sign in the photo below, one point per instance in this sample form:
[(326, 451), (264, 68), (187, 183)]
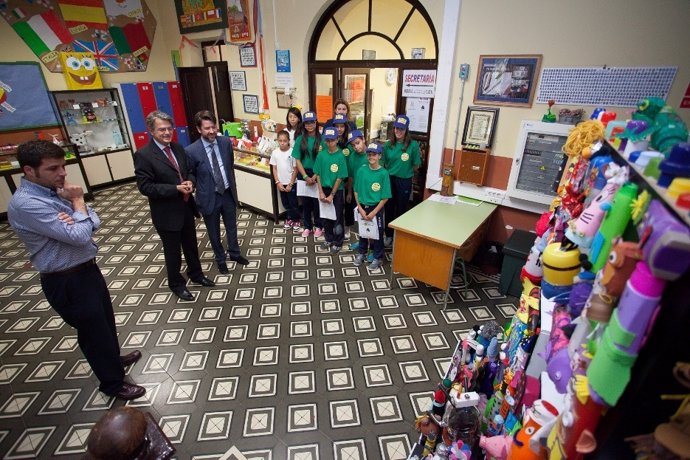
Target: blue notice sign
[(283, 60)]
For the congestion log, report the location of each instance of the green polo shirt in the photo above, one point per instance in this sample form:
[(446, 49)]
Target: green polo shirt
[(356, 161), (399, 162), (372, 185), (306, 158), (330, 167)]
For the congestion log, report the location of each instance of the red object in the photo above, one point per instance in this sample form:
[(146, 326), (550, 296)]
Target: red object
[(147, 98), (137, 40), (140, 139), (579, 439), (57, 26), (684, 200), (177, 103)]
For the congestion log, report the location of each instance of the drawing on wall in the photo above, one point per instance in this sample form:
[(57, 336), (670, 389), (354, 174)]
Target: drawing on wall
[(24, 97), (507, 79), (118, 33), (239, 23), (80, 71), (198, 15)]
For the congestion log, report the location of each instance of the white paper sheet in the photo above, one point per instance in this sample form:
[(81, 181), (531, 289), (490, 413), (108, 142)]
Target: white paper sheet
[(326, 210), (368, 229), (307, 190), (443, 199)]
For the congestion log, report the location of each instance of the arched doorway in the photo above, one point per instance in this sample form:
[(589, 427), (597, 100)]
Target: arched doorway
[(359, 51)]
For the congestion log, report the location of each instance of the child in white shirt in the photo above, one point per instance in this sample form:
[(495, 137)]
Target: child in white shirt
[(285, 175)]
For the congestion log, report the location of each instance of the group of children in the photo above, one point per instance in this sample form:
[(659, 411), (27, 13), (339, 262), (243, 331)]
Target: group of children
[(357, 178)]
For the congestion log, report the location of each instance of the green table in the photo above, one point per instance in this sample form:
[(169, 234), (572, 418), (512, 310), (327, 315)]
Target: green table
[(428, 236)]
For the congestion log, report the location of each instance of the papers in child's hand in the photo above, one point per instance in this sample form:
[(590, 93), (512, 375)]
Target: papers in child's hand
[(326, 210), (307, 190), (368, 229)]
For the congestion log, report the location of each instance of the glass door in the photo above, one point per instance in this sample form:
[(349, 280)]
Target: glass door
[(322, 90), (355, 90)]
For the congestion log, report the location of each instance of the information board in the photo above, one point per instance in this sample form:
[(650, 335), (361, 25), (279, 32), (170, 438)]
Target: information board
[(539, 161), (602, 86)]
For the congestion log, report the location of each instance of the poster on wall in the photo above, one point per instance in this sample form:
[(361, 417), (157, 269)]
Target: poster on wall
[(239, 23), (118, 33), (283, 61), (24, 99), (417, 109), (198, 15)]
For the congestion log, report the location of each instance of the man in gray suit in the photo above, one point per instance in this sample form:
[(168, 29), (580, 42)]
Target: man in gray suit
[(211, 161)]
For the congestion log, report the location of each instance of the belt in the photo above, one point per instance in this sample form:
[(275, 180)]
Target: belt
[(74, 269)]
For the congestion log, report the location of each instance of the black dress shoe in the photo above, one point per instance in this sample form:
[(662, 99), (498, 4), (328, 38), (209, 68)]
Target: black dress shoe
[(131, 358), (129, 391), (223, 268), (204, 281), (183, 293), (240, 260)]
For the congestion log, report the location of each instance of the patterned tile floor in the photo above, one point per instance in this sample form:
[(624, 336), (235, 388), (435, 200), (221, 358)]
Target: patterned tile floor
[(300, 355)]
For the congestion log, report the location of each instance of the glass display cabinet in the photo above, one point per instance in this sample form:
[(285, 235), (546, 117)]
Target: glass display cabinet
[(11, 174), (93, 120), (256, 188)]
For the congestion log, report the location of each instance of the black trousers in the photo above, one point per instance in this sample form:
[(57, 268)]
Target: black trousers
[(401, 189), (332, 235), (186, 239), (376, 245), (82, 300)]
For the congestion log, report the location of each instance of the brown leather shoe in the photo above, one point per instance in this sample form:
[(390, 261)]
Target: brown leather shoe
[(130, 358), (129, 391)]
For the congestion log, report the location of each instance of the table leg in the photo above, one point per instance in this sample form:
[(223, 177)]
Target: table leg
[(450, 280), (392, 258)]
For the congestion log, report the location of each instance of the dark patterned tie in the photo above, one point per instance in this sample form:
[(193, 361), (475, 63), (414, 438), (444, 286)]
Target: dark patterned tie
[(171, 159), (217, 175)]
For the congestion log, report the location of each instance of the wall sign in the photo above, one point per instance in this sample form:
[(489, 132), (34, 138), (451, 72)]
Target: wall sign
[(247, 56), (283, 61), (198, 16), (251, 103), (419, 83), (238, 81)]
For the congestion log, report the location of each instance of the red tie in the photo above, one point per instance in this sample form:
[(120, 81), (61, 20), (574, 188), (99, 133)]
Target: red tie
[(172, 161)]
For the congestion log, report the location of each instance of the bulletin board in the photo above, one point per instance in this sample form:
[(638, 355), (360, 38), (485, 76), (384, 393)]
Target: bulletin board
[(604, 86), (24, 99)]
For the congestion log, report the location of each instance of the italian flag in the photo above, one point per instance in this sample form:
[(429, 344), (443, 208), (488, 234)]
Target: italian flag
[(43, 32)]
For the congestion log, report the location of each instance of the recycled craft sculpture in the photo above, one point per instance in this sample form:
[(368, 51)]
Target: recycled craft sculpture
[(661, 123)]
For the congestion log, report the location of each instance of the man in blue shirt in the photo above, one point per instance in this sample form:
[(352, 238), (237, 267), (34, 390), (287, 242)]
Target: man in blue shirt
[(50, 216)]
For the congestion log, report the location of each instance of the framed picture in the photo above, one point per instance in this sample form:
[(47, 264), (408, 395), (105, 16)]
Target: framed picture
[(198, 16), (368, 55), (238, 80), (480, 124), (507, 80), (284, 100), (418, 53), (247, 56), (251, 103)]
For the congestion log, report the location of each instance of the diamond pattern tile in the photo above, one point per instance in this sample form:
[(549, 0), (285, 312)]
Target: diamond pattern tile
[(300, 355)]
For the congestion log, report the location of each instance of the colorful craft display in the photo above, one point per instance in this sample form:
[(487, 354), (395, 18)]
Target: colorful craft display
[(602, 257), (118, 33)]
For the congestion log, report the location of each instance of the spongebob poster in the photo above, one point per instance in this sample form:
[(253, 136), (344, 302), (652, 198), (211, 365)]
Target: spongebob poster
[(80, 71)]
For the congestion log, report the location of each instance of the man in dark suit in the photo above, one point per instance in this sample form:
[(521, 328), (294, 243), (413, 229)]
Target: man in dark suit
[(211, 162), (164, 177)]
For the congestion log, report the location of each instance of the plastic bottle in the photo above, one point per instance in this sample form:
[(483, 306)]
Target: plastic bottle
[(637, 304)]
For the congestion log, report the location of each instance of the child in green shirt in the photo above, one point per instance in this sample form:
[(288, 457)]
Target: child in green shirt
[(330, 169), (372, 191), (307, 146), (402, 158)]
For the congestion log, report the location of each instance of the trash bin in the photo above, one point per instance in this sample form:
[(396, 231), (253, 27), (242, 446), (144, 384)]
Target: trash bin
[(515, 254), (490, 257)]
